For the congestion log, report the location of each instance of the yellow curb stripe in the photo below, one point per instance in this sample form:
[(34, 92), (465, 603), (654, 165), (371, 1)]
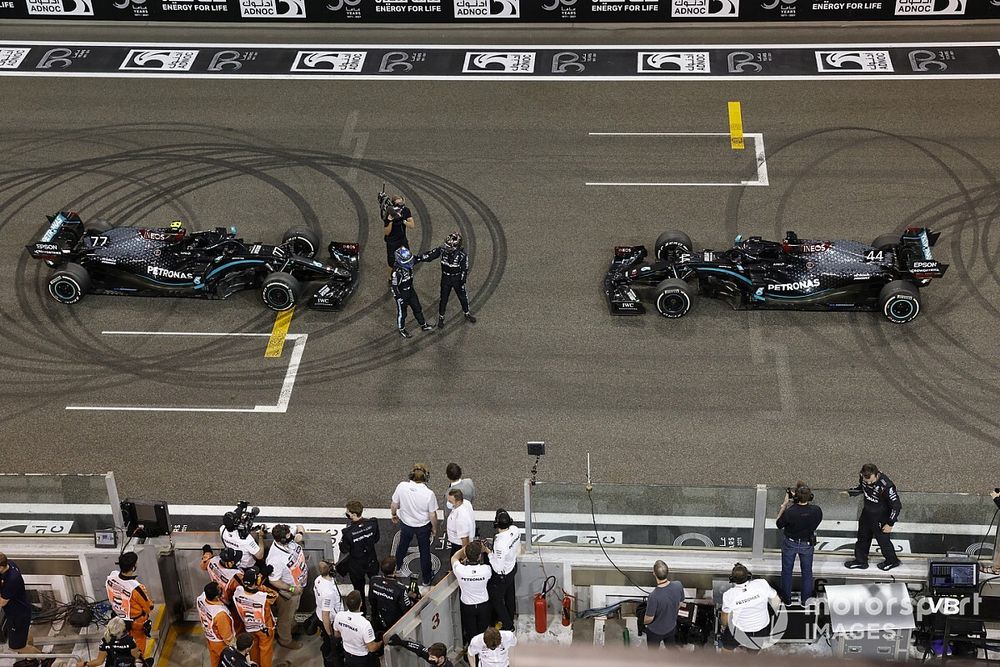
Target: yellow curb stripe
[(171, 640), (276, 343), (735, 126)]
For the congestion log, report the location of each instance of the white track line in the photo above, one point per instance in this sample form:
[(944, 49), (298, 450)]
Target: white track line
[(284, 396), (758, 140)]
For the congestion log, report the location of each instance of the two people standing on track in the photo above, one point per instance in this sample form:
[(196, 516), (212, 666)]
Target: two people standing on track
[(396, 219)]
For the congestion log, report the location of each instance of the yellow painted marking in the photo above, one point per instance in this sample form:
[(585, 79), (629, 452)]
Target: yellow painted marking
[(276, 343), (735, 126), (170, 642)]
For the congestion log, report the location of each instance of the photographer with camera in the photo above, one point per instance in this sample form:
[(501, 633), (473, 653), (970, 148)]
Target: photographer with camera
[(358, 541), (799, 519), (396, 219), (473, 576), (879, 514), (239, 533), (388, 597), (289, 575)]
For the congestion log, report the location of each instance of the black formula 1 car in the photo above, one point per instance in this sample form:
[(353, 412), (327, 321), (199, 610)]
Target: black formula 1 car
[(100, 258), (792, 274)]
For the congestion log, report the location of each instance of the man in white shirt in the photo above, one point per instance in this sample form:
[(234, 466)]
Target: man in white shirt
[(453, 472), (328, 604), (356, 632), (745, 611), (492, 648), (289, 576), (414, 507), (473, 577), (503, 560), (461, 522)]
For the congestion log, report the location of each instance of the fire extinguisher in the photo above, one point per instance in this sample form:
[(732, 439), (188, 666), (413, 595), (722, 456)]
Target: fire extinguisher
[(541, 605), (567, 609)]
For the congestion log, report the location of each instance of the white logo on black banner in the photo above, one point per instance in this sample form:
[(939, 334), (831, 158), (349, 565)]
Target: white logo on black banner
[(930, 7), (566, 8), (269, 9), (722, 8), (499, 62), (166, 60), (674, 62), (787, 7), (200, 6), (923, 60), (61, 58), (853, 61), (401, 61), (748, 61), (12, 58), (487, 9), (61, 7), (571, 61), (329, 61)]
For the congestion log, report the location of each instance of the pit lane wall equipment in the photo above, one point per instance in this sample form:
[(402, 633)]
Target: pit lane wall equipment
[(497, 11)]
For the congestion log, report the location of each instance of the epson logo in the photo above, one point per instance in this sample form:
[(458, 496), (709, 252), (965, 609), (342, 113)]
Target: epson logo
[(286, 9), (925, 265), (47, 247), (160, 272), (798, 286), (61, 7)]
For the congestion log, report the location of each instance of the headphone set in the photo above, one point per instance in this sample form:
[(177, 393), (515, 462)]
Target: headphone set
[(420, 470), (740, 574), (502, 520), (801, 493)]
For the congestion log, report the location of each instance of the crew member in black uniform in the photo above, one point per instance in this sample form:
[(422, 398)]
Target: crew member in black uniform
[(454, 270), (358, 541), (238, 655), (878, 516), (436, 654), (401, 282), (388, 598), (397, 220)]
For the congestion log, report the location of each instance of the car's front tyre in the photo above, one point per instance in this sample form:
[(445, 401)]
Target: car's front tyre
[(670, 245), (302, 241), (280, 291), (69, 284), (899, 301), (674, 298)]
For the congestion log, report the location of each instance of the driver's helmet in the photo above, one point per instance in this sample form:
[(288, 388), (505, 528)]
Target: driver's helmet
[(453, 242), (404, 258)]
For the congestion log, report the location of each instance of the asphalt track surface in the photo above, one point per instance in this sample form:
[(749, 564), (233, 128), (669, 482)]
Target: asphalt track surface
[(717, 398)]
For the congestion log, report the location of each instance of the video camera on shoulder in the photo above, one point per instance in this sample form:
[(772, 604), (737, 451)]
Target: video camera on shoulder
[(384, 204), (241, 519)]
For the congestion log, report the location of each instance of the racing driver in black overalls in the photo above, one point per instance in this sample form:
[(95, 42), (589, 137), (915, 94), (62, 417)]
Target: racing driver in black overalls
[(401, 283), (454, 270)]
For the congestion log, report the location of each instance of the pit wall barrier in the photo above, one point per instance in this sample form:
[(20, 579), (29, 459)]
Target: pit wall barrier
[(461, 12)]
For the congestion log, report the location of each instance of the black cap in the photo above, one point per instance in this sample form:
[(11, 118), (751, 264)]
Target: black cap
[(127, 561)]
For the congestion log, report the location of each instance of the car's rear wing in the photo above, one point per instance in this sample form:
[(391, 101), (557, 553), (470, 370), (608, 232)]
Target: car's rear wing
[(61, 238), (914, 253)]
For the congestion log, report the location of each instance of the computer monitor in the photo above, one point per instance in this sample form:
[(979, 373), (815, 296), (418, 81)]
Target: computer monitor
[(953, 576)]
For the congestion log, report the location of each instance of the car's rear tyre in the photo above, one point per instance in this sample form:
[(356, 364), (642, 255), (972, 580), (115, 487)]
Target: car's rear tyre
[(886, 242), (302, 240), (899, 301), (98, 226), (674, 298), (670, 245), (69, 284), (280, 291)]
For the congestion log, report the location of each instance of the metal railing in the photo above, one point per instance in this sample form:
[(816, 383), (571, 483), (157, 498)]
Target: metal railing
[(743, 518)]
